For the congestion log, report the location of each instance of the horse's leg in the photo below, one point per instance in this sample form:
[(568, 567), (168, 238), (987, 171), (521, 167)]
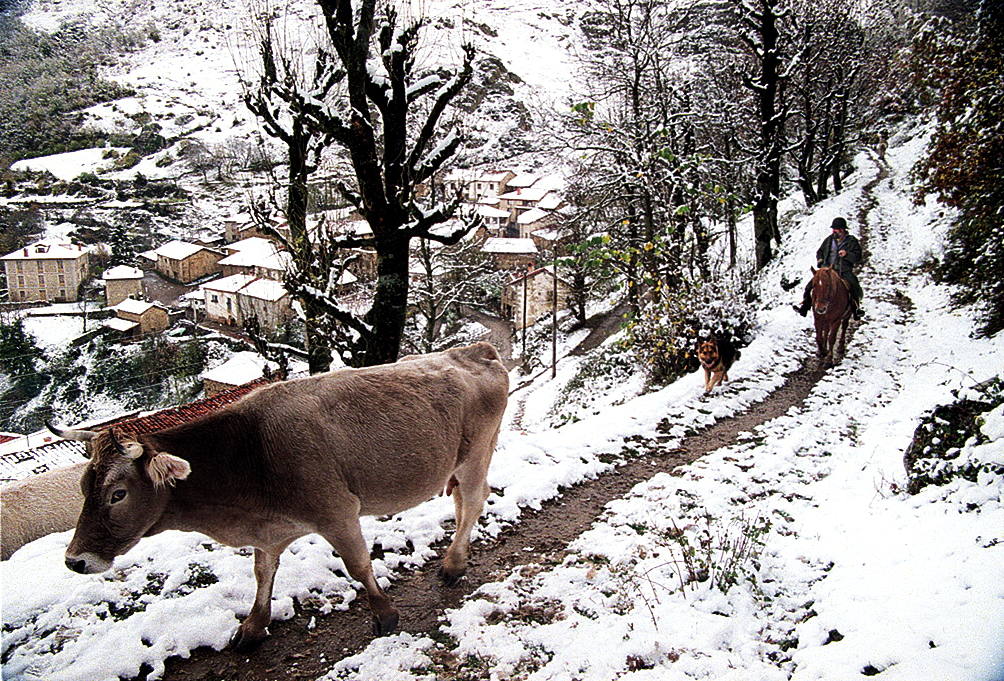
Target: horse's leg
[(843, 334), (820, 339)]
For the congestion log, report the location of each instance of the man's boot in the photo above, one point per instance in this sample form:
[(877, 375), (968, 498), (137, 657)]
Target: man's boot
[(859, 311), (802, 309)]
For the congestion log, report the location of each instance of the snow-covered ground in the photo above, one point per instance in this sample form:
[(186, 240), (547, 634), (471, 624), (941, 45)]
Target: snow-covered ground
[(853, 576)]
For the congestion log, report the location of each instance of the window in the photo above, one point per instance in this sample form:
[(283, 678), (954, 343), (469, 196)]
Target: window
[(20, 281), (38, 264), (20, 266), (41, 280), (62, 293), (62, 279), (213, 297), (59, 265)]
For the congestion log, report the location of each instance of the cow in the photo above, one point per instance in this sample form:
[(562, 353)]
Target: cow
[(301, 456), (39, 505)]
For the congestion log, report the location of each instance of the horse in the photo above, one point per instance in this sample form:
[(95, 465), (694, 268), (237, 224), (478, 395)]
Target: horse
[(831, 310)]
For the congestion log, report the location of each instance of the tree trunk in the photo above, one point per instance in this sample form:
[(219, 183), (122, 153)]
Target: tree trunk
[(390, 302)]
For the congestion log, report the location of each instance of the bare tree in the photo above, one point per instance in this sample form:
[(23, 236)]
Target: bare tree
[(365, 96)]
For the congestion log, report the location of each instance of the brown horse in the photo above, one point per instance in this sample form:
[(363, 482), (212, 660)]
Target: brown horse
[(831, 309)]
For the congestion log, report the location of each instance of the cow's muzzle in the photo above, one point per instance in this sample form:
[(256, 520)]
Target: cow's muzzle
[(87, 563)]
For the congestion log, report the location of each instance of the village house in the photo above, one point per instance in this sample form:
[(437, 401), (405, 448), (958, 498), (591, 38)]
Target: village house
[(520, 200), (534, 219), (510, 253), (139, 318), (474, 184), (530, 296), (494, 222), (121, 282), (232, 300), (46, 272), (186, 262), (255, 256), (241, 369)]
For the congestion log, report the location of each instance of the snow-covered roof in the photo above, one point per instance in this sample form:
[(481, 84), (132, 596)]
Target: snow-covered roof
[(178, 250), (119, 324), (47, 251), (122, 272), (531, 216), (534, 193), (264, 289), (242, 368), (133, 306), (255, 243), (150, 255), (491, 212), (231, 284), (550, 201), (256, 252), (509, 246), (523, 180)]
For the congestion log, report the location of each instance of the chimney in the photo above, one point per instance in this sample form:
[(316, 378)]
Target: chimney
[(26, 252)]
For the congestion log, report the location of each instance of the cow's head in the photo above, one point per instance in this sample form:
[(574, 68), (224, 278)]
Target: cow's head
[(125, 491)]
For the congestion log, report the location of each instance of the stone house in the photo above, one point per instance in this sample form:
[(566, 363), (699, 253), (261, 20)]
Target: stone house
[(139, 318), (46, 272), (233, 299), (255, 256), (474, 184), (241, 369), (121, 282), (533, 291), (186, 262), (511, 253)]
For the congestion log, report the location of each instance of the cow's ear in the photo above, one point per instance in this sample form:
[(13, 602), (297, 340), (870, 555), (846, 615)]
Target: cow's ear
[(166, 469)]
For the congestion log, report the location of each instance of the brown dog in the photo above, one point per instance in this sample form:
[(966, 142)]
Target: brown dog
[(716, 358)]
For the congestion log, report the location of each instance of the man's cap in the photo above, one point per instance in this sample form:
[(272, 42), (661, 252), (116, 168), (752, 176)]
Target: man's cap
[(839, 223)]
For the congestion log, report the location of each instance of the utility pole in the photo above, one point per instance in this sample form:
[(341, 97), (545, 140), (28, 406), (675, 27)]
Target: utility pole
[(554, 317)]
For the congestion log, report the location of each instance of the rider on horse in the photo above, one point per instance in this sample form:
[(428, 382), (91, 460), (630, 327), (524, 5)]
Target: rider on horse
[(842, 252)]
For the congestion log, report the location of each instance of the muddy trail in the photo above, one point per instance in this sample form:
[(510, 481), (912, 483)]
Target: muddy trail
[(309, 644)]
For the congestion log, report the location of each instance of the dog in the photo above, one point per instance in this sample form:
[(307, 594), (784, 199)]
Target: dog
[(716, 357)]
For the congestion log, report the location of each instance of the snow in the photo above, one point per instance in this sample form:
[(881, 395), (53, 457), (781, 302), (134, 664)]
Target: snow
[(70, 165), (178, 250), (122, 272), (133, 306), (914, 585), (241, 368)]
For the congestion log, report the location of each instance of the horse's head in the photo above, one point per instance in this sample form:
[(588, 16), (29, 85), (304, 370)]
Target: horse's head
[(823, 285)]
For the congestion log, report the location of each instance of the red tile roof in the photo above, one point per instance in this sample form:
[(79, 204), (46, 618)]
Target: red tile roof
[(174, 416), (4, 437)]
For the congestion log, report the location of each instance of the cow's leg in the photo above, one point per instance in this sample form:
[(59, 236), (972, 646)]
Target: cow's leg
[(251, 632), (346, 536), (469, 499)]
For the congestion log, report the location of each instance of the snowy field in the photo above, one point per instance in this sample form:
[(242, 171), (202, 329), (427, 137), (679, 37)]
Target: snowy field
[(854, 576)]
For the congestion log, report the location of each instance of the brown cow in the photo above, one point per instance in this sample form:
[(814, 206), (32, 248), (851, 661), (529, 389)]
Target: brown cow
[(307, 455)]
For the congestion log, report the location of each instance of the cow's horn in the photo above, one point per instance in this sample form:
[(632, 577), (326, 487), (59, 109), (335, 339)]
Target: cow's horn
[(71, 434), (133, 450)]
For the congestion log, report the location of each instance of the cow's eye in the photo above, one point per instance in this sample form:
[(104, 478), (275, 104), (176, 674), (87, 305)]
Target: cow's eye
[(118, 495)]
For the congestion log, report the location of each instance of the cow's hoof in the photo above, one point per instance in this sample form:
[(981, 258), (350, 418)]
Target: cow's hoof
[(450, 577), (385, 624), (246, 641)]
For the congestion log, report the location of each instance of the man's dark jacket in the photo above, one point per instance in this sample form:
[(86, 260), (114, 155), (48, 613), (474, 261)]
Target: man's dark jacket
[(843, 265)]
